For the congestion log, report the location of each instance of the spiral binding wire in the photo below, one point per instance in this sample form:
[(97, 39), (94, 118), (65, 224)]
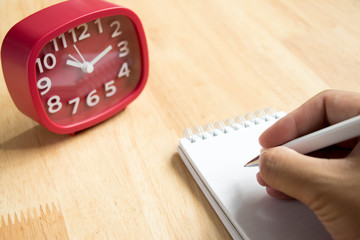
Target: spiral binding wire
[(230, 125)]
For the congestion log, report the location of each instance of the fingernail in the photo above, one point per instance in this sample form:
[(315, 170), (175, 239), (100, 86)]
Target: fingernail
[(261, 156), (262, 150)]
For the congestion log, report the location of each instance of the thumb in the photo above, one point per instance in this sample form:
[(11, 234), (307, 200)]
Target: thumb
[(294, 174)]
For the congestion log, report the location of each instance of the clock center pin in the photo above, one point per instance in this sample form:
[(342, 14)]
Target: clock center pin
[(87, 67)]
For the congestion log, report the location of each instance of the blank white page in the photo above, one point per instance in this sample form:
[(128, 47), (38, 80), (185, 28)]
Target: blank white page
[(218, 162)]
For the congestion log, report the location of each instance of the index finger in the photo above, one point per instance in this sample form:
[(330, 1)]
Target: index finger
[(324, 109)]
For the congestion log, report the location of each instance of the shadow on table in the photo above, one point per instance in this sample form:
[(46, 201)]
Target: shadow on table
[(35, 137)]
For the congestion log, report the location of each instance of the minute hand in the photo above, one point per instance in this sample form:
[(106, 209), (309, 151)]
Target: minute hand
[(101, 55)]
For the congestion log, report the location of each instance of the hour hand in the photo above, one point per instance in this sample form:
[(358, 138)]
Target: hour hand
[(86, 67), (74, 64)]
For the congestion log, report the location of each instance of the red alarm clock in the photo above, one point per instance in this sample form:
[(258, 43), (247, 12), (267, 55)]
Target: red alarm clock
[(75, 64)]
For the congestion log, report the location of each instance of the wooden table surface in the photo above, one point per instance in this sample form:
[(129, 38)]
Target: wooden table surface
[(209, 60)]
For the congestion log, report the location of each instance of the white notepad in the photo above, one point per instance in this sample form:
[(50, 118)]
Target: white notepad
[(215, 157)]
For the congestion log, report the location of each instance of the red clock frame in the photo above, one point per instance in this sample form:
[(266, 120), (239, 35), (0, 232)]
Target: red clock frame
[(23, 43)]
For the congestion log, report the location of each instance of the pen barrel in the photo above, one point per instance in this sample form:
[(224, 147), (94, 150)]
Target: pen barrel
[(326, 137)]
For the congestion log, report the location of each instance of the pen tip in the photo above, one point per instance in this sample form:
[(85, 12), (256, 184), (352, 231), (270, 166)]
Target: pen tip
[(253, 163)]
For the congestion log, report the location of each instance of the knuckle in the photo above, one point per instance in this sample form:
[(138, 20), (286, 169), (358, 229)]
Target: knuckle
[(270, 158), (269, 161)]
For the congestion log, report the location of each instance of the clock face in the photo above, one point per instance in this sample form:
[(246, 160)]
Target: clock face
[(88, 69)]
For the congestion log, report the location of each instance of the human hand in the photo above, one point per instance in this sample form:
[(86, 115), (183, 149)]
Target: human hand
[(329, 183)]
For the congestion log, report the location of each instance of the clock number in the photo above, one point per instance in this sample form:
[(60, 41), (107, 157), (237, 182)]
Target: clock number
[(117, 31), (84, 34), (44, 84), (63, 40), (98, 22), (75, 101), (110, 89), (56, 47), (124, 70), (47, 64), (72, 31), (52, 61), (54, 104), (124, 49), (92, 99), (38, 62)]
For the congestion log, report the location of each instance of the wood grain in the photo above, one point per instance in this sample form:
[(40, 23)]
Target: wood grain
[(44, 222), (209, 60)]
